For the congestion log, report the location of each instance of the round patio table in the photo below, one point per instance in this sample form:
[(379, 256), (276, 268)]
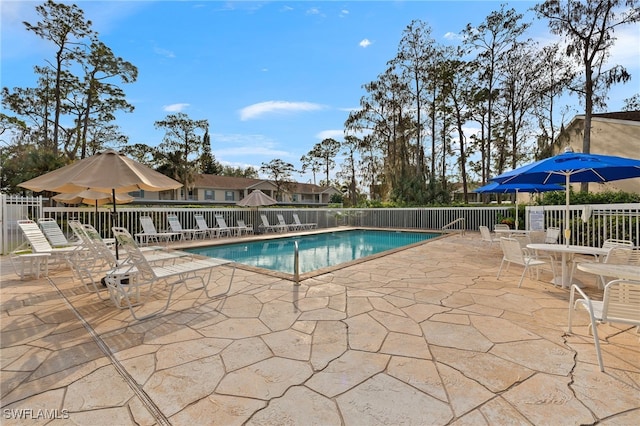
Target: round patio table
[(623, 272), (566, 251)]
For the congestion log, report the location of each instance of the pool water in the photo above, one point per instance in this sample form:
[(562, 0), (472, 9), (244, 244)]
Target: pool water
[(315, 251)]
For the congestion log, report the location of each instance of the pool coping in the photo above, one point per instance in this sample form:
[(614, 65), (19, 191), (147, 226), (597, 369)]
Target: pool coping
[(317, 272)]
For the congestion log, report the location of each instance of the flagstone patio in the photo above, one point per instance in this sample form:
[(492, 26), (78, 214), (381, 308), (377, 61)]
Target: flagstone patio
[(424, 336)]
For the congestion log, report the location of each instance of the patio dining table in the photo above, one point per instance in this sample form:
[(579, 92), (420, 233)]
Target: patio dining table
[(567, 252), (623, 272)]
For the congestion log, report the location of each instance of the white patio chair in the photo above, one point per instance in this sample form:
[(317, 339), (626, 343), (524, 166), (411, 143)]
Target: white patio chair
[(608, 243), (141, 274), (306, 226), (244, 228), (176, 226), (486, 235), (620, 304), (551, 235), (223, 228), (513, 253), (202, 224), (267, 227), (619, 255), (501, 226), (285, 225), (54, 233), (149, 232), (38, 248)]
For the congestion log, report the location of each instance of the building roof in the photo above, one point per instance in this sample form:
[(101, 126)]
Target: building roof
[(242, 183), (620, 115)]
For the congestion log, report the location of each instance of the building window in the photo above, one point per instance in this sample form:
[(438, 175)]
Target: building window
[(137, 194), (294, 198), (229, 195), (209, 194)]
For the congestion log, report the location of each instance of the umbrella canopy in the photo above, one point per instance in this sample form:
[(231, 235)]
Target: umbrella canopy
[(571, 167), (515, 188), (255, 199), (108, 171), (92, 197)]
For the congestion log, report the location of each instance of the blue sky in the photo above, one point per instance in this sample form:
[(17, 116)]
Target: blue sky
[(272, 78)]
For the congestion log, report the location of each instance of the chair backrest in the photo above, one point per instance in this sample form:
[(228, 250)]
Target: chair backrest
[(621, 302), (265, 220), (201, 222), (485, 234), (501, 226), (622, 255), (296, 219), (512, 250), (537, 236), (241, 223), (53, 232), (281, 220), (147, 225), (35, 237), (612, 242), (98, 244), (221, 222), (134, 255), (552, 235), (523, 239), (174, 223)]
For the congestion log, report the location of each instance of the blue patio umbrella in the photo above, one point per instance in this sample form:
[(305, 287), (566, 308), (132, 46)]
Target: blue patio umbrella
[(515, 188), (572, 167)]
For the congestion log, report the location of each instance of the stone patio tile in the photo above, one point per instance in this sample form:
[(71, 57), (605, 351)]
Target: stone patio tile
[(29, 360), (236, 328), (241, 306), (431, 296), (455, 336), (500, 412), (177, 387), (321, 290), (547, 399), (499, 330), (11, 380), (386, 400), (590, 385), (178, 353), (539, 355), (25, 335), (44, 400), (218, 409), (382, 305), (329, 342), (105, 417), (298, 406), (278, 315), (103, 388), (140, 368), (338, 302), (326, 314), (358, 305), (351, 369), (629, 418), (266, 379), (406, 345), (245, 352), (398, 323), (464, 394), (457, 300), (454, 317), (496, 374), (365, 333), (170, 333), (312, 303), (289, 344), (66, 358), (418, 373), (422, 311)]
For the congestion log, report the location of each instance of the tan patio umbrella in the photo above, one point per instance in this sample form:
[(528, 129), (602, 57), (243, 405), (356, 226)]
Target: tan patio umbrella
[(108, 172), (256, 199), (92, 198)]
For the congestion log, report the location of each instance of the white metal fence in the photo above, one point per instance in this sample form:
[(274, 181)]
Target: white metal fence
[(620, 221)]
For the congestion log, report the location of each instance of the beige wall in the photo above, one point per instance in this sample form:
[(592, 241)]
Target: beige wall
[(609, 137)]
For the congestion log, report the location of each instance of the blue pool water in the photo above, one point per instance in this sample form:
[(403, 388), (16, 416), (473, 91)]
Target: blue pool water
[(315, 251)]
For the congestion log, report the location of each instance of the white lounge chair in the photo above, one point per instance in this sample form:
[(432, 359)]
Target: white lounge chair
[(202, 225), (620, 304), (54, 234), (513, 253), (38, 248), (246, 229), (223, 228), (150, 234), (139, 274), (267, 227), (486, 235), (305, 226), (285, 225), (176, 226)]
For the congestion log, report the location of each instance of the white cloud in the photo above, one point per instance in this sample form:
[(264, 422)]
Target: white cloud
[(452, 36), (244, 145), (313, 11), (343, 13), (365, 43), (333, 134), (262, 108), (625, 50), (175, 107), (164, 52)]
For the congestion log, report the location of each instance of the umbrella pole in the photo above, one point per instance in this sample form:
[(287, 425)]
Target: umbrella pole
[(114, 219), (517, 227), (567, 230)]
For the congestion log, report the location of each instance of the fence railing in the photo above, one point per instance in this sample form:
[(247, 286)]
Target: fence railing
[(620, 221)]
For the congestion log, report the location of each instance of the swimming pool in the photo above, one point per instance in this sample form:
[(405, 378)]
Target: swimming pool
[(315, 251)]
